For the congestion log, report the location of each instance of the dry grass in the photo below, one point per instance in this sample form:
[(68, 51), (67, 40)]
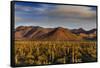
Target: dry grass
[(54, 52)]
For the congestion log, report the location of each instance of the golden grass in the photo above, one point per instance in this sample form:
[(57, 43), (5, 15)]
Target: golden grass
[(54, 52)]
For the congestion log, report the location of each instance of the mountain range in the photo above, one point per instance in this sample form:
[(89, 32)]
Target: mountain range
[(52, 34)]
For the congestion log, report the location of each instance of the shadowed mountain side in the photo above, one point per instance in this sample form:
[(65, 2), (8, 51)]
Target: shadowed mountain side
[(59, 33), (80, 30), (87, 35), (30, 32)]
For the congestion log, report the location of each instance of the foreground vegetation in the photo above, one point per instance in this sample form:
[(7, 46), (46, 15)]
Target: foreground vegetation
[(54, 52)]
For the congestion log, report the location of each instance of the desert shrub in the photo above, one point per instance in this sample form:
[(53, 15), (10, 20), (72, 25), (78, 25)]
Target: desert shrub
[(54, 52)]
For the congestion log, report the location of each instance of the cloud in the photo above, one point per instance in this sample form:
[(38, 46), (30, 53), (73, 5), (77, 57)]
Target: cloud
[(68, 11), (57, 11), (17, 19), (56, 15), (20, 19), (21, 8), (33, 9)]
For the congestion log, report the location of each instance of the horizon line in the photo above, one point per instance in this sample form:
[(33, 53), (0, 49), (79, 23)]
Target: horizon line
[(54, 27)]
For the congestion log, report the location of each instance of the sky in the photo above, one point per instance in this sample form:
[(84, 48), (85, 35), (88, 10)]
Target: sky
[(55, 15)]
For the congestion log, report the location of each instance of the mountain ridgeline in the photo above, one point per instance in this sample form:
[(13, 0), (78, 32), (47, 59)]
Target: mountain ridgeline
[(53, 34)]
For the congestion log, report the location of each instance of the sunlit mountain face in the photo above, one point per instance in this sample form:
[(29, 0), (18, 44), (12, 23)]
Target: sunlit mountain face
[(54, 34)]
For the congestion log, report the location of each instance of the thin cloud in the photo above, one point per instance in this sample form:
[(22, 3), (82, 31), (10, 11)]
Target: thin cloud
[(73, 12), (59, 15)]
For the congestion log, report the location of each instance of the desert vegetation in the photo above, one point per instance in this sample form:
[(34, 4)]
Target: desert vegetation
[(29, 52), (47, 34)]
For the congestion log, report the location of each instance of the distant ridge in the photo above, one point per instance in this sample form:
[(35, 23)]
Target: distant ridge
[(80, 30), (56, 34)]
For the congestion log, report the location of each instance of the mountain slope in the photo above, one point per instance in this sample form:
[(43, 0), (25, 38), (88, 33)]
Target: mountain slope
[(87, 35), (59, 33)]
